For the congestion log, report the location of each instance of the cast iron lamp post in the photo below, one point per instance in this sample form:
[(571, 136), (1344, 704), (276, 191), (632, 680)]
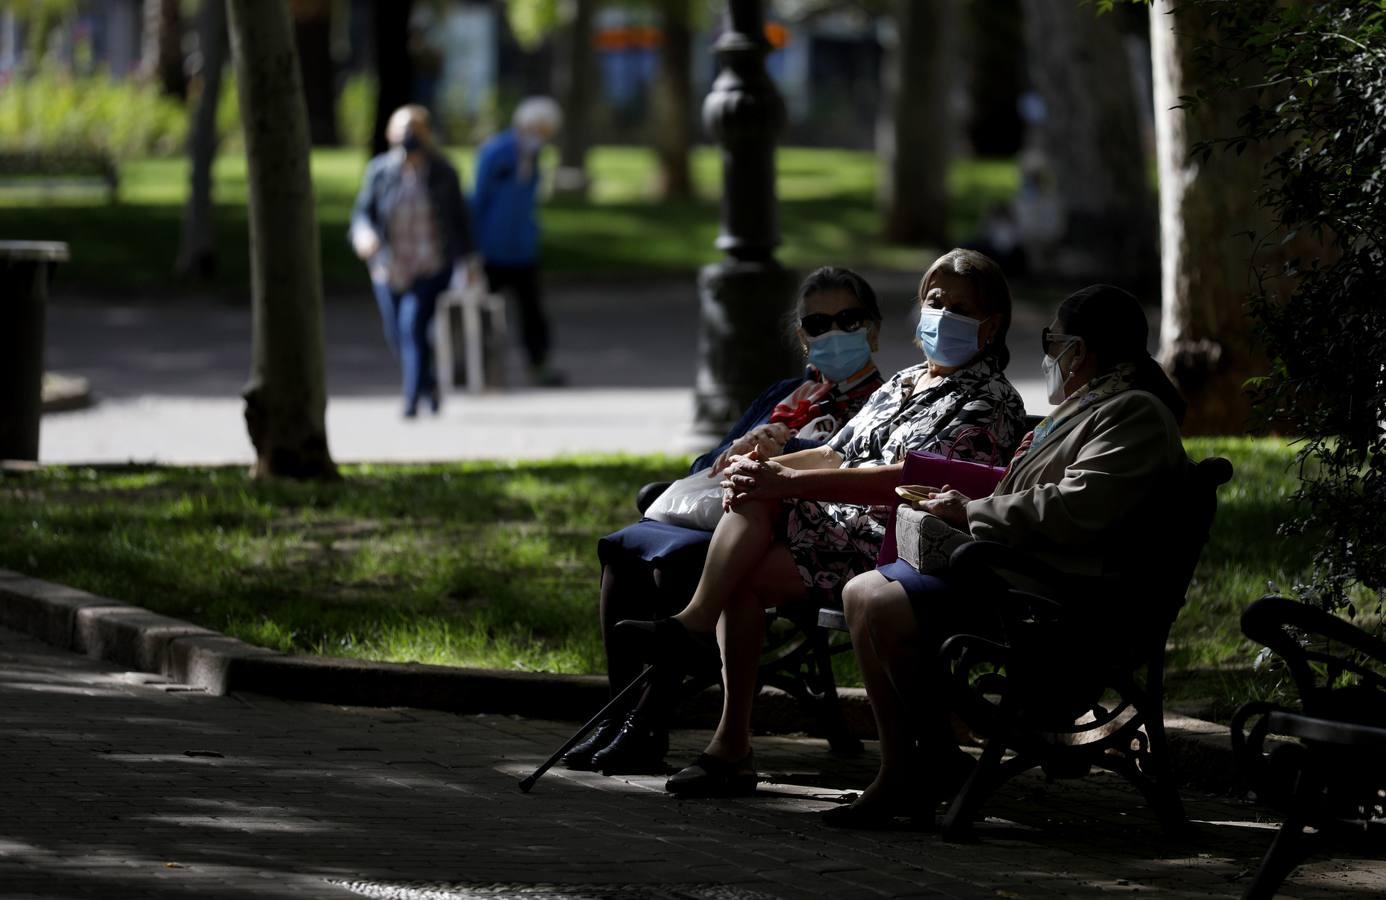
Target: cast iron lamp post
[(741, 343)]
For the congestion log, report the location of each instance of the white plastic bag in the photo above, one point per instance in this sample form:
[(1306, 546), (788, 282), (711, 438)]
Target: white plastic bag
[(694, 501)]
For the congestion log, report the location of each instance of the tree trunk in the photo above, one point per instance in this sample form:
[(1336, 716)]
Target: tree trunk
[(1091, 140), (286, 399), (163, 47), (996, 70), (1206, 210), (914, 131), (576, 96), (197, 255), (313, 37), (673, 113), (394, 70)]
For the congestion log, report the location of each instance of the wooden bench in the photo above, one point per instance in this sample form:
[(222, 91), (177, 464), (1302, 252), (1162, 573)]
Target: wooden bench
[(1056, 692), (1333, 775), (50, 170)]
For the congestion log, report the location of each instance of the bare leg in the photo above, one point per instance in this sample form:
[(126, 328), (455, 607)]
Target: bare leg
[(741, 634), (884, 637), (739, 544)]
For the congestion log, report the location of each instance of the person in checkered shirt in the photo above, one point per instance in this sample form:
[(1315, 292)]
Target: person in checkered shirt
[(411, 227)]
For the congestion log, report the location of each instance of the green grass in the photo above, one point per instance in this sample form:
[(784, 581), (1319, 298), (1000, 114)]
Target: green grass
[(481, 564), (826, 204)]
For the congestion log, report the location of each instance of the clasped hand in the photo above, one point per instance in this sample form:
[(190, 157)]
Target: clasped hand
[(769, 439), (752, 477)]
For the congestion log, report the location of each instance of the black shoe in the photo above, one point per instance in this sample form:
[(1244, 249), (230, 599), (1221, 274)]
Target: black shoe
[(669, 643), (637, 749), (713, 777), (580, 757), (933, 782), (435, 400)]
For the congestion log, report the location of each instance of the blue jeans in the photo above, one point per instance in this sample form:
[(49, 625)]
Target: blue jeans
[(408, 318)]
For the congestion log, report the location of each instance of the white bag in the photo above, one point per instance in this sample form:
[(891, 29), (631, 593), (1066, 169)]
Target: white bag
[(694, 501)]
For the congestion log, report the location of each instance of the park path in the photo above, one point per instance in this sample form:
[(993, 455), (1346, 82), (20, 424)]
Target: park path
[(115, 785), (168, 375)]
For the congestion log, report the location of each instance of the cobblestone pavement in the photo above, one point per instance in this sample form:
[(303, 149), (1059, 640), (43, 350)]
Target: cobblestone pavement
[(116, 785)]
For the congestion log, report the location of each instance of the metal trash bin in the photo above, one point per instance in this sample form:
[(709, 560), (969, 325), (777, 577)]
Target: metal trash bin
[(26, 270)]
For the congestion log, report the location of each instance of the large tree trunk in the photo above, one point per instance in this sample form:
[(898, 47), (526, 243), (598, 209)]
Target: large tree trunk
[(286, 399), (394, 70), (575, 92), (1207, 207), (996, 75), (162, 48), (1091, 139), (673, 113), (313, 38), (914, 131), (197, 255)]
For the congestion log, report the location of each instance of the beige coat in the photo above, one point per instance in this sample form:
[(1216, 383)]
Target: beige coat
[(1087, 500)]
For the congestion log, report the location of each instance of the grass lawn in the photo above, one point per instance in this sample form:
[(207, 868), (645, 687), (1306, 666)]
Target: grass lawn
[(826, 203), (484, 564)]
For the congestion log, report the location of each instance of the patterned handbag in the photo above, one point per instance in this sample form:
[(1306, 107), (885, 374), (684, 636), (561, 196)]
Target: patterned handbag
[(974, 479)]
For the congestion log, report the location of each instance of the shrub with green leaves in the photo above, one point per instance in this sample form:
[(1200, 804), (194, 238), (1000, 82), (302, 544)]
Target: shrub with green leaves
[(51, 112), (1314, 76)]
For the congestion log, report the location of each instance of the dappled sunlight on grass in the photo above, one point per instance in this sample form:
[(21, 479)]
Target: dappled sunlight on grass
[(827, 215), (483, 563)]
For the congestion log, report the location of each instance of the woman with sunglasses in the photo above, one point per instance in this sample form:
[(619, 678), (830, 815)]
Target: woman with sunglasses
[(802, 524), (650, 568), (1076, 496)]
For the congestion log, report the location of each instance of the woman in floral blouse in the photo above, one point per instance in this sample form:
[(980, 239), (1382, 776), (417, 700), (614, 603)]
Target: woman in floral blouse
[(811, 520)]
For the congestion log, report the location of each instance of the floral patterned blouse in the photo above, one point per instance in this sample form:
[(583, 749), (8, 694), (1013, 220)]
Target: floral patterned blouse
[(975, 412)]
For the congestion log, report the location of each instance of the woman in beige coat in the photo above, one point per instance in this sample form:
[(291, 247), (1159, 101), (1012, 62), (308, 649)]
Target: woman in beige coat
[(1074, 496)]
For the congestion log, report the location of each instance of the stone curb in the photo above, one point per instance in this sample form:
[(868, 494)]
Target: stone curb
[(141, 640)]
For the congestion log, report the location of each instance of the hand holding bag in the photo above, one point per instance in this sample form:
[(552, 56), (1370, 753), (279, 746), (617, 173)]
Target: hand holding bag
[(973, 479)]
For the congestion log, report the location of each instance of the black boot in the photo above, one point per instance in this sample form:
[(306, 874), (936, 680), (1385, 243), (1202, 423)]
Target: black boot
[(637, 749), (580, 757)]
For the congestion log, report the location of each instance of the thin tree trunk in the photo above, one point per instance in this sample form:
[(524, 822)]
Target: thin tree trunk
[(1091, 139), (197, 255), (673, 118), (313, 37), (1207, 207), (576, 97), (286, 399), (162, 49), (394, 70), (914, 131)]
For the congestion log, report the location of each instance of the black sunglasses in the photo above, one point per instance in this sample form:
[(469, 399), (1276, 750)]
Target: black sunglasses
[(821, 323)]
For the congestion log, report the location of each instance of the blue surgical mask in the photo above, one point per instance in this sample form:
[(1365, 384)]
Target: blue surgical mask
[(839, 354), (948, 338)]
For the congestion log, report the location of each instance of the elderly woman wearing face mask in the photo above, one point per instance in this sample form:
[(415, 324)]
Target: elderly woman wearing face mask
[(650, 568), (800, 525), (411, 226), (1076, 496)]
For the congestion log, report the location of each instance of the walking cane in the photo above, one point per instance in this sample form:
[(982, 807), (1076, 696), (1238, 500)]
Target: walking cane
[(582, 732)]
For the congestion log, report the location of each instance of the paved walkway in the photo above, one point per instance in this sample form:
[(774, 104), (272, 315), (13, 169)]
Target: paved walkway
[(116, 785), (168, 377)]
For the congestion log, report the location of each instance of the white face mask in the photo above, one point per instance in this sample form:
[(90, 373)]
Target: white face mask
[(1054, 377)]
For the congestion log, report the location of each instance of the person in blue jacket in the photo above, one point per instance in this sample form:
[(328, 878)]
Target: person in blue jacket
[(653, 566), (410, 226), (505, 200)]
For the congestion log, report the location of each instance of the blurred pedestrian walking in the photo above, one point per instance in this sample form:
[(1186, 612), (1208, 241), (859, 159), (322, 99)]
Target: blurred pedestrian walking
[(507, 182), (411, 227)]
